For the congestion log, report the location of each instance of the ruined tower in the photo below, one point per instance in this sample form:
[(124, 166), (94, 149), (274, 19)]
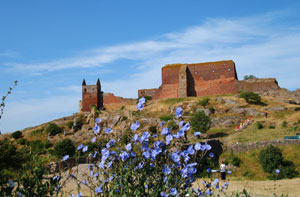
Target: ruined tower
[(91, 95)]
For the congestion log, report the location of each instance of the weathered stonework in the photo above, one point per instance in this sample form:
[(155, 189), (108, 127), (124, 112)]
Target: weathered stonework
[(201, 79), (92, 95)]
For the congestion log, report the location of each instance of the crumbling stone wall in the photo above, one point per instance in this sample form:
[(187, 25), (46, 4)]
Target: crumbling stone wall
[(109, 98), (257, 85), (243, 147), (205, 79)]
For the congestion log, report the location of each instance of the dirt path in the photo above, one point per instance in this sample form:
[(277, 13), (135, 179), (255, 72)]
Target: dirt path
[(255, 188), (265, 188)]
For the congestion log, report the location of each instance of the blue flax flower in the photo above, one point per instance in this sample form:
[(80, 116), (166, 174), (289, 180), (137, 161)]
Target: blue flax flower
[(277, 171), (173, 191), (84, 149), (140, 106), (66, 157), (135, 126), (99, 189), (179, 112), (162, 123), (169, 138), (166, 170), (124, 155), (211, 154), (164, 194), (80, 147), (165, 131), (128, 147), (142, 100), (94, 139), (197, 133), (197, 146), (96, 129), (108, 130), (98, 120)]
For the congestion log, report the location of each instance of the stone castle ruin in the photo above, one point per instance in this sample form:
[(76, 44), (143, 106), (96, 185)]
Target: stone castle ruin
[(184, 80)]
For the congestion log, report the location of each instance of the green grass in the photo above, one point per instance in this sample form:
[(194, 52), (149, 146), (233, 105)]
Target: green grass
[(252, 134), (250, 168), (171, 101)]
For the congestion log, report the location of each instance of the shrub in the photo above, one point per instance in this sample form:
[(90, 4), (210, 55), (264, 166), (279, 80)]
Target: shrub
[(53, 129), (166, 117), (17, 134), (284, 124), (124, 118), (250, 97), (10, 158), (153, 129), (200, 122), (64, 147), (204, 102), (22, 141), (259, 125), (69, 124), (37, 146), (36, 132), (172, 125), (212, 110), (79, 122), (123, 107), (246, 77), (272, 127), (134, 113), (126, 137), (236, 161), (270, 158), (298, 121)]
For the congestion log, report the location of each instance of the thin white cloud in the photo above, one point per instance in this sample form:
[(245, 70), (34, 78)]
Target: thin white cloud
[(22, 114), (258, 45)]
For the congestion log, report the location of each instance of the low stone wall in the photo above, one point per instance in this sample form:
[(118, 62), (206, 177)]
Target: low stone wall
[(243, 147)]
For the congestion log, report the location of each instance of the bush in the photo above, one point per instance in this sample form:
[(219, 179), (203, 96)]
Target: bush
[(204, 102), (200, 122), (259, 125), (251, 97), (153, 129), (270, 158), (123, 107), (70, 124), (37, 146), (53, 129), (36, 132), (236, 161), (272, 127), (64, 147), (17, 134), (10, 158), (284, 124), (166, 118), (124, 118), (172, 125), (212, 110), (246, 77), (22, 141)]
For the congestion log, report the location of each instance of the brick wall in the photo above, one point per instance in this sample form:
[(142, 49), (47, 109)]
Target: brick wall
[(110, 98)]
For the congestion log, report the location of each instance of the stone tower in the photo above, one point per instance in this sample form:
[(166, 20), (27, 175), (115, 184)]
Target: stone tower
[(91, 95)]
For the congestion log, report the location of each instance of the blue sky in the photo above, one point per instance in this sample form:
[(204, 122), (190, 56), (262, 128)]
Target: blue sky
[(50, 46)]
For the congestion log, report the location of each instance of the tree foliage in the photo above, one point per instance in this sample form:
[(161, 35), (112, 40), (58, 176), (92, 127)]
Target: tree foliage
[(64, 147), (53, 129), (200, 122), (251, 97)]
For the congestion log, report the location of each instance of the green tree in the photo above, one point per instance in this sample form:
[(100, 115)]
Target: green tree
[(270, 158), (17, 134), (53, 129), (246, 77), (200, 122), (250, 97), (64, 147)]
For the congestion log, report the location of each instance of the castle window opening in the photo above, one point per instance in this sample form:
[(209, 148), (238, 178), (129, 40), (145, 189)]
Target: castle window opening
[(84, 90)]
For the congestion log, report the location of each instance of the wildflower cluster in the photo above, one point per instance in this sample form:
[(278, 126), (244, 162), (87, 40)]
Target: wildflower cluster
[(149, 165)]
